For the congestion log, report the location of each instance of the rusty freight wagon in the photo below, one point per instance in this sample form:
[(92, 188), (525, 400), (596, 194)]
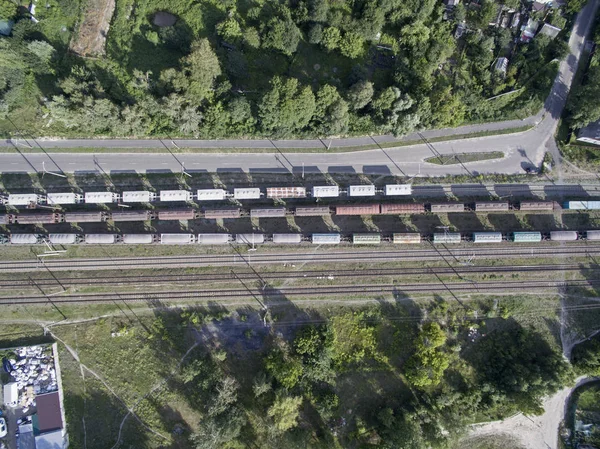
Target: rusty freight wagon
[(272, 212), (358, 209), (312, 211), (213, 214), (46, 218), (134, 215), (286, 192), (447, 207), (178, 214), (398, 209), (85, 217), (491, 206), (537, 205)]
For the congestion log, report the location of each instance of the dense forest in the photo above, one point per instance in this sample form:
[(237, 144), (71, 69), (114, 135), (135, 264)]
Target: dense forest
[(273, 68)]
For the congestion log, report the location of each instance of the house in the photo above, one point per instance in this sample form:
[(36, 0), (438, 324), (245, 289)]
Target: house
[(550, 30), (49, 415), (501, 65), (590, 134), (529, 29), (515, 20)]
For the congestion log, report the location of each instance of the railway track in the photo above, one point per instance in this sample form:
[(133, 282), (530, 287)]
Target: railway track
[(330, 256), (290, 292), (281, 275)]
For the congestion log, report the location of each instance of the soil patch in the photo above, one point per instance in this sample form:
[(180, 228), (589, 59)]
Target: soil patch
[(91, 38)]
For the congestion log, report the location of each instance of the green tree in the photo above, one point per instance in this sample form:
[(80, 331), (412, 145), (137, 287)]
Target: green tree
[(281, 34), (315, 34), (427, 365), (352, 45), (284, 368), (229, 29), (251, 37), (414, 35), (331, 38), (331, 112), (285, 411), (586, 357), (351, 339), (8, 9), (201, 67), (360, 94)]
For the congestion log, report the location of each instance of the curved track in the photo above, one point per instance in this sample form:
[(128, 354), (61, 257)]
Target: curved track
[(330, 256)]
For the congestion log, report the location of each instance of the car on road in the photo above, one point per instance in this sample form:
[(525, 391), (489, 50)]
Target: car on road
[(3, 430)]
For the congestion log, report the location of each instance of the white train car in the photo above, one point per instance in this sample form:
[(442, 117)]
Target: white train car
[(25, 239), (448, 237), (287, 239), (175, 195), (406, 237), (64, 239), (211, 194), (101, 197), (139, 239), (177, 239), (325, 191), (102, 239), (252, 193), (214, 239), (64, 198), (139, 196), (326, 239), (563, 236), (487, 237), (25, 199), (592, 235), (364, 190), (398, 189), (250, 239)]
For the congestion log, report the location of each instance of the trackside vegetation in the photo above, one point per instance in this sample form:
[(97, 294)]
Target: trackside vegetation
[(242, 68)]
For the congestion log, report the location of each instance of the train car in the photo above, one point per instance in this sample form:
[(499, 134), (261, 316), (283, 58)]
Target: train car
[(213, 214), (86, 217), (366, 239), (44, 218), (138, 196), (5, 219), (406, 237), (65, 239), (487, 237), (563, 236), (325, 191), (100, 197), (491, 206), (286, 192), (592, 235), (102, 239), (214, 239), (178, 214), (364, 190), (64, 198), (139, 239), (272, 212), (400, 209), (358, 209), (133, 215), (326, 239), (582, 205), (398, 189), (247, 193), (312, 211), (537, 205), (250, 239), (527, 237), (211, 195), (287, 239), (447, 207), (447, 237), (25, 199), (26, 239), (175, 195), (177, 239)]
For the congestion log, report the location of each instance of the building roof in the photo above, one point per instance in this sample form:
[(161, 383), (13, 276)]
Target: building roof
[(50, 440), (26, 439), (550, 30), (502, 65), (48, 412), (538, 6), (590, 133)]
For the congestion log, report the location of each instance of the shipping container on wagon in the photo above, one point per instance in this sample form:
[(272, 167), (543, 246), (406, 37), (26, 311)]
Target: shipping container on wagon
[(133, 215), (214, 239), (139, 239), (317, 211), (138, 196), (527, 237), (447, 207), (64, 198), (101, 239), (446, 237), (45, 218), (592, 235), (537, 205), (364, 190), (65, 239), (25, 239), (487, 237), (246, 193), (366, 239), (213, 214), (101, 197), (358, 209), (399, 209), (85, 217), (563, 236), (177, 239), (286, 192), (326, 239), (406, 237), (24, 199), (287, 239), (250, 239), (325, 191), (175, 195), (271, 212), (491, 206), (582, 205), (178, 214), (211, 194), (398, 189)]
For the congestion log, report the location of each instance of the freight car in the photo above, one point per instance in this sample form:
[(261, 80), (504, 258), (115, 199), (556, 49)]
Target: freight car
[(250, 239), (273, 212), (406, 237), (102, 239), (25, 199), (358, 209), (101, 197), (133, 215), (211, 195), (45, 218), (26, 239), (563, 236), (592, 235), (312, 211), (487, 237), (537, 205), (178, 214), (139, 196), (325, 191), (527, 237), (446, 207), (177, 239), (213, 214), (64, 198), (85, 217), (326, 239), (364, 190), (286, 192), (582, 205), (366, 239), (65, 239), (214, 239), (175, 195), (287, 239), (491, 206), (400, 209), (139, 239), (447, 237)]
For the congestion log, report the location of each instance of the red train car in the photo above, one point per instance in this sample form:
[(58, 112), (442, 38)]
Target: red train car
[(358, 209), (398, 209)]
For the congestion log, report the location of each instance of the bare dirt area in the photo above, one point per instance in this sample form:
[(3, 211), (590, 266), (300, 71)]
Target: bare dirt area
[(93, 30)]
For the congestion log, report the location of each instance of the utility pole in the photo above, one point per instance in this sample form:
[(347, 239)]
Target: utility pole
[(49, 172)]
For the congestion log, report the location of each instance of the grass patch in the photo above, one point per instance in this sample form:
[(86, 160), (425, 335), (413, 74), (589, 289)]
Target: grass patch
[(462, 158)]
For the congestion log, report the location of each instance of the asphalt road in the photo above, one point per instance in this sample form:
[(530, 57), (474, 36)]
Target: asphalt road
[(520, 150)]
